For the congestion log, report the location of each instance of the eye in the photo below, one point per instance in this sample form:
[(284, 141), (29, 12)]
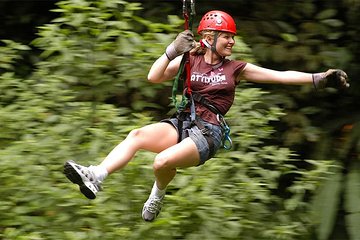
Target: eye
[(229, 37)]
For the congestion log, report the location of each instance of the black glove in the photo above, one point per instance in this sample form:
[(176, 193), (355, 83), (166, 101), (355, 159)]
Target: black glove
[(183, 43), (335, 78)]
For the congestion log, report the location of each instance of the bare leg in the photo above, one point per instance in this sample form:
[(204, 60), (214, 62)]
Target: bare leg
[(160, 138), (155, 137), (181, 155)]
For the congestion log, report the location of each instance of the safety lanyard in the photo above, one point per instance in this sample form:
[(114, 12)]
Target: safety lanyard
[(188, 14)]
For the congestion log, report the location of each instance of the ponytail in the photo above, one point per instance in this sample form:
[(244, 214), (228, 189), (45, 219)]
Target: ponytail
[(201, 48)]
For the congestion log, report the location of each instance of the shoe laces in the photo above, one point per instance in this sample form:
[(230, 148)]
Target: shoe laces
[(90, 175), (154, 204)]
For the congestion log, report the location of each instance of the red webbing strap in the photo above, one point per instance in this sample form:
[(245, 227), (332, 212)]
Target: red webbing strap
[(184, 69), (187, 25), (187, 69)]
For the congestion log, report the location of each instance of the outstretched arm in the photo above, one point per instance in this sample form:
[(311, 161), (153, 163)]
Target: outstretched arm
[(333, 77), (253, 73)]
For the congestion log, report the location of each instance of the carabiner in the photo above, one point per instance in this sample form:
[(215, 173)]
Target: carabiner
[(192, 7), (227, 142), (188, 14), (186, 7)]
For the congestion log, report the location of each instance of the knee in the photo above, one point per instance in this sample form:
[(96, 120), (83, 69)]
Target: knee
[(135, 133), (135, 137), (161, 162)]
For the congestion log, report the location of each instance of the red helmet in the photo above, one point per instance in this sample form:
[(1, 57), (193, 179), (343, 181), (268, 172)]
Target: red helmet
[(217, 21)]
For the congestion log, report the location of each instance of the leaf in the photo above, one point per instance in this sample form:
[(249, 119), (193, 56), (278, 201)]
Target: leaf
[(289, 37), (327, 13), (325, 205), (333, 22), (352, 201)]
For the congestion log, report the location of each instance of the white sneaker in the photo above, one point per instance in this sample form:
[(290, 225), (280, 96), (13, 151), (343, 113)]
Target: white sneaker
[(84, 177), (152, 208)]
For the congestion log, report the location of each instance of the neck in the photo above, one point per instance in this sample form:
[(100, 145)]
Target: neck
[(212, 58)]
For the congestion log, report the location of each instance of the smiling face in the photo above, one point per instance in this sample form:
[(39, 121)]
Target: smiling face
[(225, 42)]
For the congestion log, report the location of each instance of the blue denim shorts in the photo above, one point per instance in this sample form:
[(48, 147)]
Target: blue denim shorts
[(198, 137)]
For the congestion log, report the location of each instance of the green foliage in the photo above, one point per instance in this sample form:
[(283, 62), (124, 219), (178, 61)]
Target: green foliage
[(312, 37), (10, 53), (97, 49), (352, 199), (326, 204), (299, 39), (93, 52), (340, 191)]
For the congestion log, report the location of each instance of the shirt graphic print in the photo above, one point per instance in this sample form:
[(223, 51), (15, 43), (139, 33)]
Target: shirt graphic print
[(215, 83)]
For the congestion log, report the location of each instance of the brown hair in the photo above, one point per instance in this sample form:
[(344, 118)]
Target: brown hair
[(200, 49)]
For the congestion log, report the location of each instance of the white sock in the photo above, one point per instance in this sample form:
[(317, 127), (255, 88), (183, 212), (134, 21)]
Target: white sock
[(157, 192), (100, 172)]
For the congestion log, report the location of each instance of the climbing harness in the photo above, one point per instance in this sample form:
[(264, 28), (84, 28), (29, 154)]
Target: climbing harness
[(189, 97), (226, 141)]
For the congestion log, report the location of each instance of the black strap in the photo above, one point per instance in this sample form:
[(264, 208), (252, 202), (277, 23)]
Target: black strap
[(203, 101), (209, 139), (181, 116), (226, 141)]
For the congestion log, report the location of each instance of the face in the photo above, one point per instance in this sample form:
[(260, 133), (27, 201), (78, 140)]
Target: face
[(225, 42)]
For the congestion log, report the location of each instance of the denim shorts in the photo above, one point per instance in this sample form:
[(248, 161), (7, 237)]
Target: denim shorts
[(197, 136)]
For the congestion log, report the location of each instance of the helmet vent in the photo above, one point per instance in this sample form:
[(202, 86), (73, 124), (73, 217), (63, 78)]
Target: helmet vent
[(217, 21), (210, 16)]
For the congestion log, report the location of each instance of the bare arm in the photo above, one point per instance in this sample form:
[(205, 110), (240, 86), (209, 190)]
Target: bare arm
[(253, 73), (163, 69)]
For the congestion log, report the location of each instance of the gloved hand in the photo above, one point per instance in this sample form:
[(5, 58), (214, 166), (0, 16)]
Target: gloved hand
[(335, 78), (183, 43)]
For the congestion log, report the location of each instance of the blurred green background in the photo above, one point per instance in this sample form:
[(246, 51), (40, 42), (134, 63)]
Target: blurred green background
[(73, 84)]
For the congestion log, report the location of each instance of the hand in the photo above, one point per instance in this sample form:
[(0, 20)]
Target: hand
[(335, 78), (183, 43)]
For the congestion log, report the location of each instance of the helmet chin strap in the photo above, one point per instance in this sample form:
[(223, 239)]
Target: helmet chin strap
[(213, 46), (205, 43)]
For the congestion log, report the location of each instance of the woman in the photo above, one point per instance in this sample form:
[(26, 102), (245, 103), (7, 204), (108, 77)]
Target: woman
[(179, 142)]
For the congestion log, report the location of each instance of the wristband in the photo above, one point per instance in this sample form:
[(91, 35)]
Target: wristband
[(170, 52), (319, 81)]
